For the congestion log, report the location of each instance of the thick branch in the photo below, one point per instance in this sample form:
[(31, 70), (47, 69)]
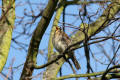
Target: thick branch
[(99, 24), (6, 27), (114, 73), (53, 69), (36, 39)]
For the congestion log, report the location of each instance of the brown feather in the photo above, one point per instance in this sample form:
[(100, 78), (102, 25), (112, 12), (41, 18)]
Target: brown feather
[(61, 41)]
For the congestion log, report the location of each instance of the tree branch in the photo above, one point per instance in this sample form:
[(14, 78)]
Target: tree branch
[(36, 39)]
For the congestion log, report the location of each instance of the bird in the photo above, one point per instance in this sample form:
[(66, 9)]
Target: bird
[(61, 41)]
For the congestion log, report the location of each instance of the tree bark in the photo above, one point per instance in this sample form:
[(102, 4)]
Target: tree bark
[(6, 27), (36, 39)]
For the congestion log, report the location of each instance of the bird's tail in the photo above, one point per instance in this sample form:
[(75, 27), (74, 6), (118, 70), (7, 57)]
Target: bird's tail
[(76, 63)]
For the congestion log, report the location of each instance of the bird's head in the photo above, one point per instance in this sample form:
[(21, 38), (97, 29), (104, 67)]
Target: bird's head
[(58, 28)]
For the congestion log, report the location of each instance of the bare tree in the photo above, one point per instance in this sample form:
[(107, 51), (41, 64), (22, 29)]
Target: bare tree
[(94, 32)]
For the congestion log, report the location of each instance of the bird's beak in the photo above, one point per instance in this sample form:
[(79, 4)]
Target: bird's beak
[(57, 28)]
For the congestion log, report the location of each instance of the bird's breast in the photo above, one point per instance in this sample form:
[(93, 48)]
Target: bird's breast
[(59, 45)]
